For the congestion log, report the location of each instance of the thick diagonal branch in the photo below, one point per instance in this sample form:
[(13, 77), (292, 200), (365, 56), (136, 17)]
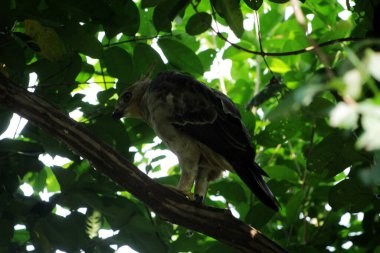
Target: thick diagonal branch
[(168, 204)]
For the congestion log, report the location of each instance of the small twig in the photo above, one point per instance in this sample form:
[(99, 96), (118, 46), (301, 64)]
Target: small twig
[(348, 5), (274, 153), (103, 76), (135, 39), (294, 157), (18, 125), (258, 33), (300, 17), (43, 85)]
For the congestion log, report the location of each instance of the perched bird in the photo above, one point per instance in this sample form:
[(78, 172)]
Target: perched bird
[(201, 126)]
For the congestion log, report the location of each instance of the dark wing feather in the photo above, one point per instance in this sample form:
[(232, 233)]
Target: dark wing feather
[(212, 118)]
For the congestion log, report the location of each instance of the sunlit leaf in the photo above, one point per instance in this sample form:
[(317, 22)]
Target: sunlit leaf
[(231, 12), (180, 56)]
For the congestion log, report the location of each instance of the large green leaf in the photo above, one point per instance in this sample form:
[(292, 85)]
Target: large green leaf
[(280, 131), (165, 12), (293, 207), (350, 195), (180, 56), (81, 40), (198, 23), (231, 12), (126, 18), (231, 190), (259, 215), (334, 154), (63, 233), (119, 63), (146, 59), (280, 172)]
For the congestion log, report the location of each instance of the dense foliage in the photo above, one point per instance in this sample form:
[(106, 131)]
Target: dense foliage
[(315, 120)]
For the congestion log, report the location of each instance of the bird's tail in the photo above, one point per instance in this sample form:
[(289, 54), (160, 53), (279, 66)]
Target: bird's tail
[(259, 187)]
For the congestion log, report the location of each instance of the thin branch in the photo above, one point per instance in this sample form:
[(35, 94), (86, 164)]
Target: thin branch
[(135, 39), (258, 33), (295, 52), (304, 50)]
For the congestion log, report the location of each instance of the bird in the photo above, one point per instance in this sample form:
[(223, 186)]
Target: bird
[(201, 126)]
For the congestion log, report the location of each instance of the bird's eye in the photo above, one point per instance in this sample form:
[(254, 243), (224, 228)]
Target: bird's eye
[(126, 97)]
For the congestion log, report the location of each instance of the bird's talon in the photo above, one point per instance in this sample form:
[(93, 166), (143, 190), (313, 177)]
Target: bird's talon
[(198, 199), (187, 195)]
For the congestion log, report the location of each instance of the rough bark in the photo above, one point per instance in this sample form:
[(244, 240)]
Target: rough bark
[(167, 203)]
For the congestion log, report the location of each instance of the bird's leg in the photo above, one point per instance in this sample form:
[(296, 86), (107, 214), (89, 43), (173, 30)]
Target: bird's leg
[(201, 185), (186, 182), (189, 171)]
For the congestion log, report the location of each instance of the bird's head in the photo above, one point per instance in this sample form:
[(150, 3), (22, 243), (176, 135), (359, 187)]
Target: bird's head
[(129, 102)]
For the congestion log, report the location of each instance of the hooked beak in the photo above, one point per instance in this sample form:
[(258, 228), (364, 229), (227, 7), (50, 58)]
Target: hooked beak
[(117, 115)]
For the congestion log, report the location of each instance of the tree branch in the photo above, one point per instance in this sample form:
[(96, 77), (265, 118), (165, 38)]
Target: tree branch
[(166, 202), (263, 53)]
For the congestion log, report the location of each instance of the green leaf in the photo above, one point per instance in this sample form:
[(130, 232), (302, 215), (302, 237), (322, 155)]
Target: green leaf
[(132, 18), (137, 232), (278, 66), (181, 57), (220, 248), (165, 12), (230, 11), (86, 73), (125, 18), (231, 190), (333, 154), (21, 147), (293, 207), (81, 40), (149, 3), (350, 195), (207, 58), (12, 55), (198, 23), (119, 63), (254, 4), (280, 172), (259, 215), (6, 230), (146, 59), (66, 233), (65, 178), (280, 131), (5, 118)]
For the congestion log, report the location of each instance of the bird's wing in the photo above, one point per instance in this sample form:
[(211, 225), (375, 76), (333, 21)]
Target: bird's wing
[(212, 118)]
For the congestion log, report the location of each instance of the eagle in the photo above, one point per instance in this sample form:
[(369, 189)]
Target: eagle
[(201, 126)]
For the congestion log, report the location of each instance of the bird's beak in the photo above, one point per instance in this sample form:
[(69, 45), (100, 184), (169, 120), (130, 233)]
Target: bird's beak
[(117, 115)]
